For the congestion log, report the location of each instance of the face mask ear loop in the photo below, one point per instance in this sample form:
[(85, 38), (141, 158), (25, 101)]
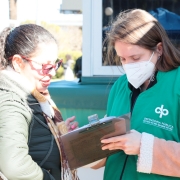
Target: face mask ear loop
[(151, 57)]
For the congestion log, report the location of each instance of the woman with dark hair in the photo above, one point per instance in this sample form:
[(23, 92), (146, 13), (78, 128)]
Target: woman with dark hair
[(150, 90), (30, 123)]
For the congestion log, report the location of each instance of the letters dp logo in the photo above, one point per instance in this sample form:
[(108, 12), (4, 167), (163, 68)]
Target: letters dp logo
[(161, 111)]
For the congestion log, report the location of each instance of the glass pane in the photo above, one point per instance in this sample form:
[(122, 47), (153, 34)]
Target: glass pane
[(111, 9)]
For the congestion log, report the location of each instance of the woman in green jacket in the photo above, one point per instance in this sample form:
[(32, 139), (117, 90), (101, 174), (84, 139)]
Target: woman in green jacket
[(150, 90), (30, 123)]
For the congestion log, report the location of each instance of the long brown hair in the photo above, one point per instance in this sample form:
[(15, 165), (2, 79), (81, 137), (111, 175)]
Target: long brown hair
[(138, 27)]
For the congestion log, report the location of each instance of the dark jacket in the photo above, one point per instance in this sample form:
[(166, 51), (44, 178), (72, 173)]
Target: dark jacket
[(42, 146)]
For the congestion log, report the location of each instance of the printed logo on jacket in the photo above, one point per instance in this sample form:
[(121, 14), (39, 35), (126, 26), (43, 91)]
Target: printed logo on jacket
[(162, 112)]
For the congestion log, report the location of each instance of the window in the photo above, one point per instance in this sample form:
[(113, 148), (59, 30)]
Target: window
[(97, 16), (92, 42)]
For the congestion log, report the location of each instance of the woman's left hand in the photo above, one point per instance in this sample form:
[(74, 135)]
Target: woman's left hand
[(129, 143), (71, 124)]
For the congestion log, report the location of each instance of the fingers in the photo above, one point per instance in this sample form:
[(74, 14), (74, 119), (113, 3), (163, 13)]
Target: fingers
[(113, 146), (129, 143), (118, 138), (71, 124), (70, 119), (111, 143), (74, 125), (113, 139)]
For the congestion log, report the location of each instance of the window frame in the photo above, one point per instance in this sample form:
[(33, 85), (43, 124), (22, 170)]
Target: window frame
[(92, 42)]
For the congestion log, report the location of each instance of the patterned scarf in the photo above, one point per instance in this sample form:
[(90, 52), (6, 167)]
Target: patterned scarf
[(58, 127)]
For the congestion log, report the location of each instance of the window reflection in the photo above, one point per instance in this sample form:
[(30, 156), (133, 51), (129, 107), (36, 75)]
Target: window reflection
[(111, 9)]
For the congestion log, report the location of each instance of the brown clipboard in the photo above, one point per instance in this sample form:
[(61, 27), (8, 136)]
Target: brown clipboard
[(83, 145)]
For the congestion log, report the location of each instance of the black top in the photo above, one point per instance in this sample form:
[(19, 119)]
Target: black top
[(136, 92), (42, 145)]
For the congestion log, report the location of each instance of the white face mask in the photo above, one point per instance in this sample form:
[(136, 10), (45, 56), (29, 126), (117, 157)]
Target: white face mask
[(137, 73)]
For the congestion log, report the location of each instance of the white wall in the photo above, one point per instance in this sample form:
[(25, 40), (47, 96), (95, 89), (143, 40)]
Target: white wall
[(48, 11), (71, 5), (39, 10)]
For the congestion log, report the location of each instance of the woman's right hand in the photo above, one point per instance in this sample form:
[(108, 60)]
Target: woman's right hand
[(129, 143)]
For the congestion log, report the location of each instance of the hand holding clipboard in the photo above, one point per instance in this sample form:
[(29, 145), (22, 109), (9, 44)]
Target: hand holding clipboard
[(83, 145)]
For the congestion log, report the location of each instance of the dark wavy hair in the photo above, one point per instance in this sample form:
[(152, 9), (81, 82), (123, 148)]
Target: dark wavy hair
[(23, 40)]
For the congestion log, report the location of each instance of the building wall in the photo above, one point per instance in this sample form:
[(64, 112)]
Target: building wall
[(71, 5)]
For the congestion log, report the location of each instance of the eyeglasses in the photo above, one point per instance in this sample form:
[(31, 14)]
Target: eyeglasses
[(46, 68)]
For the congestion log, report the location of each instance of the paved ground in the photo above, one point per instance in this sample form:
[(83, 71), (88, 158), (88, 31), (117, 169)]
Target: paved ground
[(90, 174)]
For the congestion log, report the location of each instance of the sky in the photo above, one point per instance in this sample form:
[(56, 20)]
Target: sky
[(38, 9)]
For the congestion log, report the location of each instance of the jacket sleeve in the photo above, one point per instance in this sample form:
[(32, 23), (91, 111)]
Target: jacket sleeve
[(159, 156), (166, 159), (15, 163)]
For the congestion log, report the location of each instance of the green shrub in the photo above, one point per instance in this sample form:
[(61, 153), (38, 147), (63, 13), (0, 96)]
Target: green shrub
[(74, 54)]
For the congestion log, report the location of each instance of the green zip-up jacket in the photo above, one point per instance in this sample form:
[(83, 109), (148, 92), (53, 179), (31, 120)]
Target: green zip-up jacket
[(156, 111)]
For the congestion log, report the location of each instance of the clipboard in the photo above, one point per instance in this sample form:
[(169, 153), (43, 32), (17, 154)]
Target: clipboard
[(83, 145)]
